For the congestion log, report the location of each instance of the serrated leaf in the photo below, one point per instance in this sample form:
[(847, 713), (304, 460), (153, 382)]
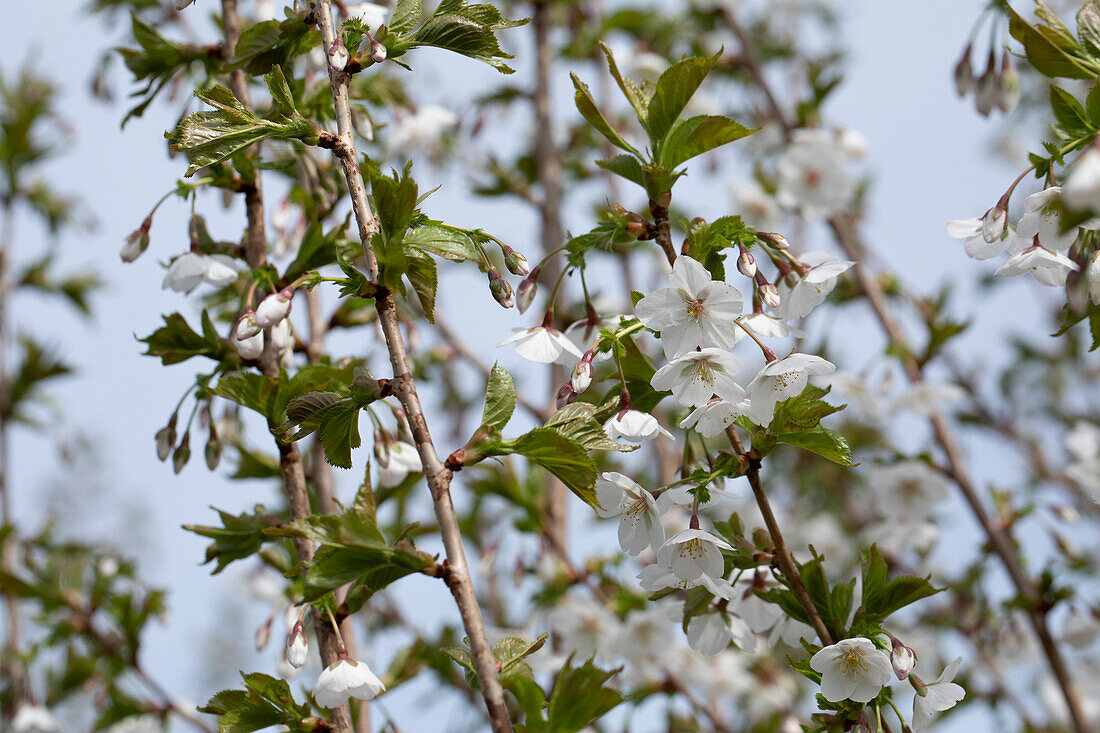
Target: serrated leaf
[(697, 135), (822, 441), (500, 398), (634, 94), (561, 457), (580, 696), (625, 166), (175, 341), (469, 30), (446, 242), (674, 90), (423, 277), (586, 105)]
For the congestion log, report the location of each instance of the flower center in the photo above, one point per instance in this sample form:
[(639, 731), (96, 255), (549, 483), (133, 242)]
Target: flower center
[(696, 310), (853, 665), (811, 177), (692, 548), (701, 371)]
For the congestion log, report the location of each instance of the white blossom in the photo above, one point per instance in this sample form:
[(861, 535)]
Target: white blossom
[(1081, 628), (926, 398), (906, 489), (936, 697), (695, 312), (189, 269), (798, 298), (1082, 189), (970, 231), (251, 347), (852, 669), (813, 175), (34, 719), (711, 633), (541, 344), (714, 417), (274, 308), (634, 427), (767, 326), (421, 131), (346, 678), (757, 207), (781, 379), (691, 553), (696, 376), (582, 625), (639, 513), (1046, 266), (1042, 219), (403, 460), (297, 649)]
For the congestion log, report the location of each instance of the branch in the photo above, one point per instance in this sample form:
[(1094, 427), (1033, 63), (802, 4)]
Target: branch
[(438, 478)]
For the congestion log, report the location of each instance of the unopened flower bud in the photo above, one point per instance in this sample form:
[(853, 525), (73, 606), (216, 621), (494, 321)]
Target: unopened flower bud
[(501, 290), (263, 634), (338, 55), (274, 308), (746, 263), (137, 241), (1092, 274), (213, 452), (775, 240), (525, 295), (297, 648), (995, 222), (985, 98), (247, 326), (964, 74), (581, 377), (635, 228), (166, 438), (182, 454), (1008, 85), (377, 51), (902, 659), (565, 395), (516, 263), (770, 295)]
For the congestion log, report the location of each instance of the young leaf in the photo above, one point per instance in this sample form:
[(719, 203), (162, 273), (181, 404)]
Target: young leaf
[(626, 166), (586, 105), (634, 94), (561, 457), (469, 30), (674, 90), (580, 696), (697, 135), (500, 398)]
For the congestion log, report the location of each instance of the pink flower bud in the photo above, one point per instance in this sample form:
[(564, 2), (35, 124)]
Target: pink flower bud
[(565, 395), (274, 308), (137, 241), (902, 658), (338, 56), (525, 296), (213, 452), (995, 222), (247, 326), (516, 263), (770, 295), (166, 438), (964, 74), (377, 51), (582, 374), (746, 263), (775, 239), (297, 648), (182, 454), (1008, 85)]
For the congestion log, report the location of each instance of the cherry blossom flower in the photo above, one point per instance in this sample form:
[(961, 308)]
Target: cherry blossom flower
[(634, 427), (691, 553), (711, 633), (654, 578), (251, 347), (697, 376), (813, 176), (1042, 219), (937, 697), (189, 269), (926, 398), (902, 659), (756, 206), (781, 379), (715, 416), (35, 719), (403, 460), (1082, 189), (808, 291), (639, 513), (907, 488), (1046, 266), (852, 669), (541, 344), (346, 678), (766, 326), (974, 242), (695, 312)]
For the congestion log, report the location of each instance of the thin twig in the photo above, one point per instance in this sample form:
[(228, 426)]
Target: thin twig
[(438, 477)]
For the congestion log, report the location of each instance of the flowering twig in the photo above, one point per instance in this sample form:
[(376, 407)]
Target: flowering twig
[(437, 476)]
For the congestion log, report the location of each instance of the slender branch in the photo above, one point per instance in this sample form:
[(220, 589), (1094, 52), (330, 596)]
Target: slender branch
[(457, 575), (782, 555), (664, 229), (997, 535), (548, 159)]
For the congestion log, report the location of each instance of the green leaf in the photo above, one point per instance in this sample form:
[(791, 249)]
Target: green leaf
[(697, 135), (1088, 26), (264, 45), (175, 341), (634, 94), (424, 279), (561, 457), (822, 441), (882, 596), (579, 423), (1069, 112), (238, 538), (405, 16), (500, 398), (281, 95), (586, 105), (447, 242), (469, 30), (626, 166), (339, 432), (580, 696), (1053, 52), (674, 90)]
